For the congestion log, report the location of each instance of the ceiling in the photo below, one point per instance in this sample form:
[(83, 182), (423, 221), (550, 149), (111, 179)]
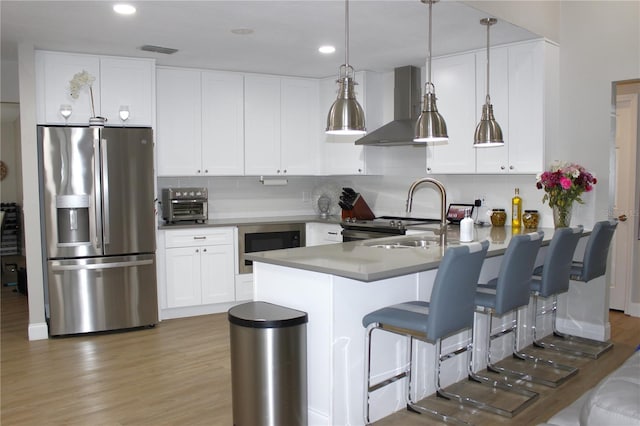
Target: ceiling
[(384, 34)]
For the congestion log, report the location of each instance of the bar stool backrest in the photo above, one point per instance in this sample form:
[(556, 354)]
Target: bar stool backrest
[(594, 263), (514, 281), (557, 262), (451, 306)]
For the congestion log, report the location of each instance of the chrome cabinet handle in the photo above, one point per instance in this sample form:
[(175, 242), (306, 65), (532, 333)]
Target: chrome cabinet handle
[(502, 167), (622, 218), (511, 167)]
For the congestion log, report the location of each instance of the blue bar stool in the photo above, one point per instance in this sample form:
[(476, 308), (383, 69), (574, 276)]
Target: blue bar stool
[(593, 265), (553, 279), (449, 311), (502, 295)]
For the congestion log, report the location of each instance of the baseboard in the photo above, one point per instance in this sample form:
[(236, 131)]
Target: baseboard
[(600, 332), (633, 309), (192, 311), (38, 331)]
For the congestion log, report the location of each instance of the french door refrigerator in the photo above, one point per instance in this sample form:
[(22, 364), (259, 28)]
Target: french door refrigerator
[(97, 202)]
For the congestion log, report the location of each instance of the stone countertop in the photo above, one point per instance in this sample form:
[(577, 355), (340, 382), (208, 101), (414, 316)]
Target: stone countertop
[(251, 221), (361, 260)]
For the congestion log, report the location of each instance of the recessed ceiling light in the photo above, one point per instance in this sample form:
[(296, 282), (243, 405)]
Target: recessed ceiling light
[(124, 9), (326, 49), (242, 31)]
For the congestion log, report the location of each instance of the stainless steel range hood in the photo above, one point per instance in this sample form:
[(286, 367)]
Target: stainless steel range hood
[(406, 108)]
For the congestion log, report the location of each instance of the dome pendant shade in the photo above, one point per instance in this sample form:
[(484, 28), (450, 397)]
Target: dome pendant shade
[(488, 132), (431, 127), (346, 116)]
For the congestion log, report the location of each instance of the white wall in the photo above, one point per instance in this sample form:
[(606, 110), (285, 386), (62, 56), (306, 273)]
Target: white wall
[(9, 81), (11, 186)]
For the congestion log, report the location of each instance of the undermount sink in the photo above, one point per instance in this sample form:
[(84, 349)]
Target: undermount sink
[(421, 242)]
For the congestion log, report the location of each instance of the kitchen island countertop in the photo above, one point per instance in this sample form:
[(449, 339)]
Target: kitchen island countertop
[(363, 261)]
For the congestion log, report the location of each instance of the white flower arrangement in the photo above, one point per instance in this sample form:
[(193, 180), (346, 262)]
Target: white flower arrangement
[(79, 81)]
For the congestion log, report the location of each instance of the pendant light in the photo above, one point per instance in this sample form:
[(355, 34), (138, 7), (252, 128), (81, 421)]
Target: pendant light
[(346, 116), (430, 127), (488, 132)]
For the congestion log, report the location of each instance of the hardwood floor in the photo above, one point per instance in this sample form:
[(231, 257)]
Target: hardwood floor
[(178, 373)]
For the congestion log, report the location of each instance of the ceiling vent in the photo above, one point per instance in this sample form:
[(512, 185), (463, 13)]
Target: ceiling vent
[(158, 49)]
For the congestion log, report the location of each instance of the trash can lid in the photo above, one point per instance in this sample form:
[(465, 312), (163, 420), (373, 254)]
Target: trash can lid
[(266, 315)]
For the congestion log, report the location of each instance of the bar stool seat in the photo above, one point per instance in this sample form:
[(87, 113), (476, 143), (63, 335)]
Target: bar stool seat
[(449, 311)]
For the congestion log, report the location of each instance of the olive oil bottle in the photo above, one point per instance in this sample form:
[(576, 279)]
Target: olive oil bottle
[(516, 210)]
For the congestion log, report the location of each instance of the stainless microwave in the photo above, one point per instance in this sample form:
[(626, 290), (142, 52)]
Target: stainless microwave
[(272, 236)]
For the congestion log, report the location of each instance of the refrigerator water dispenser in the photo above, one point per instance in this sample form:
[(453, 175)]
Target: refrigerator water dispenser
[(73, 220)]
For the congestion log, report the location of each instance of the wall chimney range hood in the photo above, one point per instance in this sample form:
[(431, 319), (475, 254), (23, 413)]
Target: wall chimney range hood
[(406, 110)]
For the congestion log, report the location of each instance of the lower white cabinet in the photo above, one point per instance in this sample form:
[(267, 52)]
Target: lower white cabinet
[(322, 233), (199, 267)]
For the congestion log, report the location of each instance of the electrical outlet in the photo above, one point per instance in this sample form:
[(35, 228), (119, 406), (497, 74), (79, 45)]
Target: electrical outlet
[(481, 198), (306, 197)]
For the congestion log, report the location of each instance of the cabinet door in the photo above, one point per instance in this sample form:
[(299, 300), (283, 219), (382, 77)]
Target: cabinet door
[(222, 123), (218, 278), (183, 276), (340, 155), (178, 122), (54, 71), (495, 159), (127, 82), (454, 78), (299, 124), (526, 105), (262, 125)]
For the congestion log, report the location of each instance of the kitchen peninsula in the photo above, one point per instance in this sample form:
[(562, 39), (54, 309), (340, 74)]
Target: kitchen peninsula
[(338, 284)]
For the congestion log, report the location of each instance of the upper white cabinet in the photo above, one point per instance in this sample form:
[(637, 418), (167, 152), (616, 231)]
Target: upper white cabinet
[(128, 83), (281, 122), (200, 122), (521, 88), (119, 82), (454, 78), (520, 81), (340, 155)]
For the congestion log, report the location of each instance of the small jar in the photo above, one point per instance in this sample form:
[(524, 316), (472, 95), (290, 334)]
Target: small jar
[(498, 217), (530, 219)]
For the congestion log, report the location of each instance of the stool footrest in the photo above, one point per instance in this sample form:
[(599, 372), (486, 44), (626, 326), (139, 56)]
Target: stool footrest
[(575, 345)]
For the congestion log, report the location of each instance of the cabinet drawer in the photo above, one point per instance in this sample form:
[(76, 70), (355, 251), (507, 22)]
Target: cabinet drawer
[(195, 237)]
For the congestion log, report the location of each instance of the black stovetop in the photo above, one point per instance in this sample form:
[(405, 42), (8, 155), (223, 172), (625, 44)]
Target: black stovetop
[(390, 223)]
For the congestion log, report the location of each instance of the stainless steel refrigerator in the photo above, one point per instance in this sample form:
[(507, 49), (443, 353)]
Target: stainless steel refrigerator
[(97, 201)]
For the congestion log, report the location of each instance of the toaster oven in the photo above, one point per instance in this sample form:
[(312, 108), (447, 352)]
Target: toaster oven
[(185, 204)]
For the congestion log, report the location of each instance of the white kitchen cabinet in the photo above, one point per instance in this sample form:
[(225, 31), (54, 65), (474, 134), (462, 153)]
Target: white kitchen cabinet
[(281, 121), (222, 123), (127, 82), (118, 82), (54, 71), (244, 287), (518, 80), (178, 135), (322, 233), (340, 155), (200, 123), (454, 78), (199, 267)]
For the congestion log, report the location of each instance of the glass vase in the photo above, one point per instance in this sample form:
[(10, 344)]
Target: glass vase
[(562, 216)]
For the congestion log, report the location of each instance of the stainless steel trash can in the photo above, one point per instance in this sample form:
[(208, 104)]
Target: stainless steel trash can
[(268, 365)]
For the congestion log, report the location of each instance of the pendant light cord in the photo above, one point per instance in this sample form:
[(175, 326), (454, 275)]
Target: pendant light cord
[(488, 99), (346, 33), (429, 83)]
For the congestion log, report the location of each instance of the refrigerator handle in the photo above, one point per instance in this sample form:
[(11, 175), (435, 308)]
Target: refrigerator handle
[(98, 193), (105, 191), (125, 264)]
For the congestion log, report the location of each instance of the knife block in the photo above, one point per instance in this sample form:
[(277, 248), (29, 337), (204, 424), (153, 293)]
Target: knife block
[(360, 210)]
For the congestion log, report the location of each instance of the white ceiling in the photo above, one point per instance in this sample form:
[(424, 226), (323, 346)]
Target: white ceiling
[(384, 34)]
